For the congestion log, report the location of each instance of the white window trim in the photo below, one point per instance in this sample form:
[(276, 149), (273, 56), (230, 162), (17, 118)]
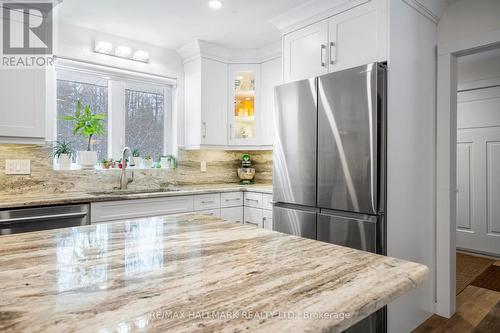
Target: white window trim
[(117, 80)]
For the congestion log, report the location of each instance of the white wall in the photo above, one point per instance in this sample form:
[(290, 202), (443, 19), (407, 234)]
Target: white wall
[(411, 157), (479, 70), (466, 18), (77, 43)]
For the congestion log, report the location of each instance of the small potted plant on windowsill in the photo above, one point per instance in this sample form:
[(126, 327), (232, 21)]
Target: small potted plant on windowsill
[(89, 125), (63, 152), (148, 161), (136, 158), (107, 164)]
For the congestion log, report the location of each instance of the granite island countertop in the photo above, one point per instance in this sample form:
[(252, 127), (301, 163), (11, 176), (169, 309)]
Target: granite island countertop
[(8, 201), (190, 273)]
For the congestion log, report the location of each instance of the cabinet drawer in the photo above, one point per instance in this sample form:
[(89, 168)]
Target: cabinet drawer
[(207, 201), (253, 199), (213, 212), (267, 201), (267, 219), (125, 209), (253, 216), (234, 214), (232, 199)]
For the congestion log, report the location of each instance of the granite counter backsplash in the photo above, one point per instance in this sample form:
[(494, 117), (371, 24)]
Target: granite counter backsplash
[(221, 169)]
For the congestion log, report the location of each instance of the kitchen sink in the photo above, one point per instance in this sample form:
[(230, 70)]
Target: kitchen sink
[(129, 192)]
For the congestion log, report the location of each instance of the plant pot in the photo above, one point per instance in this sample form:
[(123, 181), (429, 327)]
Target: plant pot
[(87, 159), (64, 161), (137, 161), (165, 163), (148, 163)]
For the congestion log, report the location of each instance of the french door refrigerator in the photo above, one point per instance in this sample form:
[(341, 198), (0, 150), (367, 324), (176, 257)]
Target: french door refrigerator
[(329, 162)]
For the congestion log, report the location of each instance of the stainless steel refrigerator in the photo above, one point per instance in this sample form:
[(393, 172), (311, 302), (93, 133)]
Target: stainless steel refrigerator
[(329, 162)]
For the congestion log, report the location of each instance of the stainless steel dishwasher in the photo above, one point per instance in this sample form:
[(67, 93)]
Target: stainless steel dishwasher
[(19, 220)]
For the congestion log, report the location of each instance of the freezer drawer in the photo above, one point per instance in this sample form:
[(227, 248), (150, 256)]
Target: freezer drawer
[(294, 222), (359, 233), (294, 174)]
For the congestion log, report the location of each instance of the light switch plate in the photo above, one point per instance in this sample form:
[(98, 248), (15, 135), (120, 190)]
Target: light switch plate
[(203, 166), (18, 167)]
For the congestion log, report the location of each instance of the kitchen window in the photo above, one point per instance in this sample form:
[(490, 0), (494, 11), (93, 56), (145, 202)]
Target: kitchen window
[(138, 111)]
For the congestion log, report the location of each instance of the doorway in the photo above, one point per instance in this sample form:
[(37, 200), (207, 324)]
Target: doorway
[(468, 159)]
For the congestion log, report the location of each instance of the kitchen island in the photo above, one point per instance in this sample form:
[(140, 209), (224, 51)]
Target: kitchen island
[(190, 273)]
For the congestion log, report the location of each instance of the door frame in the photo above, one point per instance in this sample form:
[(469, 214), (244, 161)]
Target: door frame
[(446, 162)]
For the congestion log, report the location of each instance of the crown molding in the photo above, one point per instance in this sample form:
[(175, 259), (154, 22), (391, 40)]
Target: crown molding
[(312, 11), (422, 9), (202, 49)]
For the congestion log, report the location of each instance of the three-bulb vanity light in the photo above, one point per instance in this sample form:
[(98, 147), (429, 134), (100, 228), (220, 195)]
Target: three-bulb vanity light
[(121, 51)]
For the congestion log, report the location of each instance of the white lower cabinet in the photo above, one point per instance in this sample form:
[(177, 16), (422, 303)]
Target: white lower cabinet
[(234, 214), (257, 208), (126, 209), (253, 216)]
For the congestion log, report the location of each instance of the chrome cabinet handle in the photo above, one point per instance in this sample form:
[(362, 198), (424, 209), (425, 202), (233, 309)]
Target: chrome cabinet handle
[(323, 49), (204, 129), (235, 199), (230, 131), (253, 223), (333, 53), (248, 199), (207, 202)]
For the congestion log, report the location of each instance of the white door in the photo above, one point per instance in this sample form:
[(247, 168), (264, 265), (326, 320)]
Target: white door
[(478, 196), (214, 103), (356, 37), (306, 52)]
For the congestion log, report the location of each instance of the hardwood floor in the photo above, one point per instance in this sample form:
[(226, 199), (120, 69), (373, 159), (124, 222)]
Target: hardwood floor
[(478, 309)]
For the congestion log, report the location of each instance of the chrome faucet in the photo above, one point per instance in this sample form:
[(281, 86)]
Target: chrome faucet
[(124, 180)]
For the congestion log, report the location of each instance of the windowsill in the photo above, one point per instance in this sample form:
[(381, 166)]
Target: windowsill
[(76, 167)]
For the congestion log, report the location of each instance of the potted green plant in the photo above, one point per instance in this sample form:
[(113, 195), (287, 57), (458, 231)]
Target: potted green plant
[(136, 157), (89, 125), (107, 164), (63, 152), (148, 161)]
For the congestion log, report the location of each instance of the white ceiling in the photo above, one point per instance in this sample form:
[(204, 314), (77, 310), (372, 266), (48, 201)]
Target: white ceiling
[(173, 23)]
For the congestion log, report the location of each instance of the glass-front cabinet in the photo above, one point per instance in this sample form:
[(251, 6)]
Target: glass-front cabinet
[(244, 113)]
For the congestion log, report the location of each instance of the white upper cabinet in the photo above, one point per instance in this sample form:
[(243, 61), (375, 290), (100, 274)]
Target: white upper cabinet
[(205, 103), (214, 102), (352, 38), (305, 52), (229, 102), (22, 103), (244, 111)]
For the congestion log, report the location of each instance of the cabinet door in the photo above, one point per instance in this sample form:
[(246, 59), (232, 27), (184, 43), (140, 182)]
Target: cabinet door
[(305, 52), (253, 216), (22, 96), (234, 214), (214, 103), (22, 114), (267, 219), (357, 37), (271, 77), (244, 113)]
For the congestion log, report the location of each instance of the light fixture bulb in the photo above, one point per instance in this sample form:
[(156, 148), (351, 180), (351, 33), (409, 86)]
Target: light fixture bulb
[(215, 4), (123, 51), (103, 47), (141, 55)]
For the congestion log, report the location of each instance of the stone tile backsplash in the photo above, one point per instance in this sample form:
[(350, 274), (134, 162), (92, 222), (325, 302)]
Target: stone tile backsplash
[(221, 169)]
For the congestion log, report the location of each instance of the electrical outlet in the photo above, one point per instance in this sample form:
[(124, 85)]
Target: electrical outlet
[(17, 167), (203, 166)]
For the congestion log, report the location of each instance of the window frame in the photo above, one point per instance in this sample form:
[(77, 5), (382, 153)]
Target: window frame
[(118, 80)]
